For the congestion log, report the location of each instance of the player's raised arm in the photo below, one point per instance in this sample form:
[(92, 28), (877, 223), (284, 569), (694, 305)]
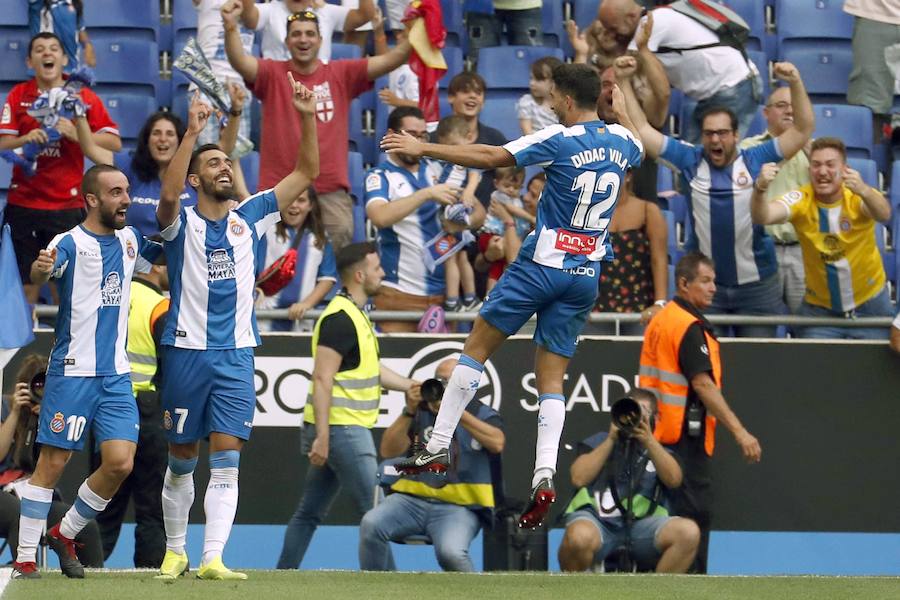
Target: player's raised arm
[(307, 167), (173, 182), (42, 267), (479, 156)]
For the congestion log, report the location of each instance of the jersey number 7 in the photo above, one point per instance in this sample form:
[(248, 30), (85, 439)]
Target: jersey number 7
[(587, 215)]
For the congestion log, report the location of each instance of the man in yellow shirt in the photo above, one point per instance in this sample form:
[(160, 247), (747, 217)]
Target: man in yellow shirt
[(834, 216)]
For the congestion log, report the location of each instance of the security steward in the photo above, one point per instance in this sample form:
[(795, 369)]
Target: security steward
[(681, 364), (146, 320), (343, 401)]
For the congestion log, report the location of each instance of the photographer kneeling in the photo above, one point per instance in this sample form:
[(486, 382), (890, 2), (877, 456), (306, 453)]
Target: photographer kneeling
[(450, 510), (18, 456), (622, 504)]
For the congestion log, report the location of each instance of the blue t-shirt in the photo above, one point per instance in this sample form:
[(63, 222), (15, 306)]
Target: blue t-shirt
[(61, 19), (585, 166), (719, 201), (145, 198)]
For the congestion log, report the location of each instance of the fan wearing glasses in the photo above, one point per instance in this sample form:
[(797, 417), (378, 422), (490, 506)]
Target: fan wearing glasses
[(335, 85)]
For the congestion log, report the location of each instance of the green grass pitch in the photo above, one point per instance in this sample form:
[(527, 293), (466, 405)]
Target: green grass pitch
[(336, 585)]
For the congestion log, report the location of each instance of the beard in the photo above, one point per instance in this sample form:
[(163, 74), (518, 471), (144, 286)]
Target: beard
[(220, 194), (108, 219)]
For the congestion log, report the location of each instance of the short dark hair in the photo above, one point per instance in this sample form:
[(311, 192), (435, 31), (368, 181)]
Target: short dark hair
[(465, 82), (89, 181), (689, 266), (638, 394), (720, 110), (453, 124), (395, 119), (306, 16), (829, 142), (44, 35), (542, 68), (193, 166), (578, 81), (350, 256)]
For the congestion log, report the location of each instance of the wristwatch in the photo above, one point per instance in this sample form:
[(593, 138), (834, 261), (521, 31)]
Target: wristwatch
[(235, 113), (406, 413), (660, 303)]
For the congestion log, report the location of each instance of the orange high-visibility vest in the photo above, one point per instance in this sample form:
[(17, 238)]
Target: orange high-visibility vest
[(660, 373)]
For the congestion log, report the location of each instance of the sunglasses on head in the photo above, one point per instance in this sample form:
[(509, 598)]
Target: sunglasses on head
[(306, 15)]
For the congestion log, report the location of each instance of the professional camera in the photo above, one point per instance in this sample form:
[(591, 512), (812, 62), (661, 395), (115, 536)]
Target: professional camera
[(36, 387), (432, 392), (626, 414)]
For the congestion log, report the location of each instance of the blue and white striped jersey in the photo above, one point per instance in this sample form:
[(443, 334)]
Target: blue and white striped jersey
[(402, 243), (719, 201), (93, 274), (585, 166), (212, 275)]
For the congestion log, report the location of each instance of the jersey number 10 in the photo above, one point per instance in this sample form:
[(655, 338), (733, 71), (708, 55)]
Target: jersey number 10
[(587, 215)]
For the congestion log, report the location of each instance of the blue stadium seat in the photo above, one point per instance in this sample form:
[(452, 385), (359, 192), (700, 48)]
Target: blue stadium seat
[(552, 23), (359, 141), (675, 252), (500, 114), (758, 125), (382, 111), (453, 22), (5, 175), (888, 256), (184, 20), (584, 12), (455, 65), (250, 168), (135, 20), (15, 14), (825, 68), (125, 63), (357, 175), (867, 168), (852, 124), (762, 63), (754, 13), (129, 111), (508, 67), (13, 52), (799, 20), (342, 51), (895, 187)]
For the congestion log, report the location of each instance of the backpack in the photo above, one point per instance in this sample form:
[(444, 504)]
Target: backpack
[(731, 28)]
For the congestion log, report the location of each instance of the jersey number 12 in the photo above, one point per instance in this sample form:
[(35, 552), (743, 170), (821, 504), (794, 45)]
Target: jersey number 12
[(587, 215)]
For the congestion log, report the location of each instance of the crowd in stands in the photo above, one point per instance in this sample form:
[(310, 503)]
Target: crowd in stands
[(712, 108)]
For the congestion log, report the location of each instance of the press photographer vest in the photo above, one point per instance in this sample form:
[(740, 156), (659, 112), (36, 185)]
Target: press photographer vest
[(468, 482), (356, 393), (147, 305), (659, 372)]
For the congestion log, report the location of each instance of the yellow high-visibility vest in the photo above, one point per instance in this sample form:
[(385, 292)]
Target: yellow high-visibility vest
[(147, 305), (356, 393)]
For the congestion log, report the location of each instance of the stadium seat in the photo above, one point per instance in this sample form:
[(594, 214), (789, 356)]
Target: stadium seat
[(584, 12), (509, 67), (125, 63), (134, 20), (868, 170), (762, 64), (13, 52), (552, 23), (754, 13), (382, 111), (675, 252), (359, 141), (758, 125), (250, 168), (184, 21), (500, 114), (811, 20), (129, 112), (825, 68), (455, 65), (357, 174), (5, 175), (895, 184), (454, 23), (852, 124), (888, 255), (344, 51), (15, 14)]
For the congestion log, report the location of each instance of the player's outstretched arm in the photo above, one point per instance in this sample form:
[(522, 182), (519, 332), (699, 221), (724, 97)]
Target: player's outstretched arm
[(479, 156), (795, 137), (651, 139), (307, 167), (173, 182), (245, 64), (763, 212)]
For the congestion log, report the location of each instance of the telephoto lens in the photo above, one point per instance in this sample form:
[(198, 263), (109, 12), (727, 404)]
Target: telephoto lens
[(36, 386), (626, 414)]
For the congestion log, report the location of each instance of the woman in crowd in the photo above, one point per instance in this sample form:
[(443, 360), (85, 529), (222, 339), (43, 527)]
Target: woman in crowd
[(18, 456)]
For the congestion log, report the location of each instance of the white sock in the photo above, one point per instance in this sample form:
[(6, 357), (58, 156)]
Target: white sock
[(551, 418), (220, 502), (177, 498), (460, 390), (87, 506), (35, 507)]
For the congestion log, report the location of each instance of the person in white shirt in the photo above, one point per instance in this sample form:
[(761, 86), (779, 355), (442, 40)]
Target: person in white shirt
[(715, 75), (271, 21)]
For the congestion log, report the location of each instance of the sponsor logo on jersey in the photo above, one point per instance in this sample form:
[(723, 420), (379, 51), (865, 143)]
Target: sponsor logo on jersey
[(58, 423), (373, 182), (167, 420), (575, 243), (220, 265), (111, 294)]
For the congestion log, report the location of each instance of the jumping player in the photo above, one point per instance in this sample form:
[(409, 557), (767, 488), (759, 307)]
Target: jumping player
[(89, 377), (208, 388), (556, 272)]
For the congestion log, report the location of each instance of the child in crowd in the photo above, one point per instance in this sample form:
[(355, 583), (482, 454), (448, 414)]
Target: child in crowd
[(508, 182), (534, 107), (533, 193), (403, 84), (455, 236)]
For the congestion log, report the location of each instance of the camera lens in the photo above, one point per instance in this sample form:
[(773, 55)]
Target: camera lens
[(36, 385), (626, 414)]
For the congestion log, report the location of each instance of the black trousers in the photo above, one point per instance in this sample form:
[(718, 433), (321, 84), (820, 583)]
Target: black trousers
[(694, 498), (144, 486)]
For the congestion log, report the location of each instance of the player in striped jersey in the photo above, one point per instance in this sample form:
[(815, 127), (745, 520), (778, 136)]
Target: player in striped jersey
[(208, 387), (556, 272), (88, 380)]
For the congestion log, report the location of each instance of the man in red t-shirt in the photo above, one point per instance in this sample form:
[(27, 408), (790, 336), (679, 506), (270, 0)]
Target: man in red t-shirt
[(335, 85), (49, 202)]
